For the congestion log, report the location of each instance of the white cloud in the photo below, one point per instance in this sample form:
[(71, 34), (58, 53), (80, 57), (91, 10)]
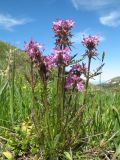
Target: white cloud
[(93, 4), (77, 37), (112, 19), (8, 22)]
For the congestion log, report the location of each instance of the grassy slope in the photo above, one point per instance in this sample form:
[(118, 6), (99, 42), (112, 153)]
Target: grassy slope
[(5, 51)]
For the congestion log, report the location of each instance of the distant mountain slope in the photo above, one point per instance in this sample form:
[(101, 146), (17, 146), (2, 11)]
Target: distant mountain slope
[(112, 83), (4, 48), (20, 56)]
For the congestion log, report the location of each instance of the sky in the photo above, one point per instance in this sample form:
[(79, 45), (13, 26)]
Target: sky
[(22, 19)]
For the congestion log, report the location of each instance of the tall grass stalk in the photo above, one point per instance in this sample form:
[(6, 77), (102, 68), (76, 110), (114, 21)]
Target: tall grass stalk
[(12, 86)]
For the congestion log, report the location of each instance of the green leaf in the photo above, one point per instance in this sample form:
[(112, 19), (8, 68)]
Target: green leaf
[(103, 56), (3, 86), (116, 153), (68, 155), (56, 140), (8, 155)]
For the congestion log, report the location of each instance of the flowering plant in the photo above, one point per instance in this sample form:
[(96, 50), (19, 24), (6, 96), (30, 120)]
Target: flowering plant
[(69, 85)]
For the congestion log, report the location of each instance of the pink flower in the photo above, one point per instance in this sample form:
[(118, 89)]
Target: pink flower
[(62, 25), (80, 86), (70, 23), (73, 79), (69, 82), (62, 30), (57, 25), (61, 56), (78, 69), (32, 48), (90, 42), (48, 60)]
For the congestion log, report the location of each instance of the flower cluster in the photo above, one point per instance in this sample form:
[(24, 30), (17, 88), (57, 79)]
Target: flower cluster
[(90, 42), (43, 63), (61, 53), (78, 69), (62, 32), (58, 56), (61, 56), (73, 79), (48, 62), (32, 48), (62, 25)]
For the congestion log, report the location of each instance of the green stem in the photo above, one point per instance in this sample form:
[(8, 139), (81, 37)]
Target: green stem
[(45, 105), (59, 95), (32, 83), (33, 98), (45, 94), (87, 81)]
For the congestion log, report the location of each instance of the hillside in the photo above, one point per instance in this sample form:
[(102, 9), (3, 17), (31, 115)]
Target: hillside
[(113, 83), (20, 56)]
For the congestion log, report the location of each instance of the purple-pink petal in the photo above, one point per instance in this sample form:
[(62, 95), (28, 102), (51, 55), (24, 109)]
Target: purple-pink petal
[(90, 42), (80, 86)]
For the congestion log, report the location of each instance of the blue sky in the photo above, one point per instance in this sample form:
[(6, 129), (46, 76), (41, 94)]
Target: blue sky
[(20, 20)]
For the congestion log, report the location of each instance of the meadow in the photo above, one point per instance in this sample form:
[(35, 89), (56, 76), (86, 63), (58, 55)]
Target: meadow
[(48, 113)]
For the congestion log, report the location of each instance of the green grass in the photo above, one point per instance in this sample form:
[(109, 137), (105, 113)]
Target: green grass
[(95, 136), (100, 127)]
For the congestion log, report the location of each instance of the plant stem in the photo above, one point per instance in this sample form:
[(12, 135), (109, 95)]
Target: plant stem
[(60, 95), (87, 81), (32, 83), (45, 104), (45, 94), (60, 90), (33, 98)]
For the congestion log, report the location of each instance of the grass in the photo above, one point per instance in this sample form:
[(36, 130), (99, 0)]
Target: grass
[(34, 133), (100, 127)]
